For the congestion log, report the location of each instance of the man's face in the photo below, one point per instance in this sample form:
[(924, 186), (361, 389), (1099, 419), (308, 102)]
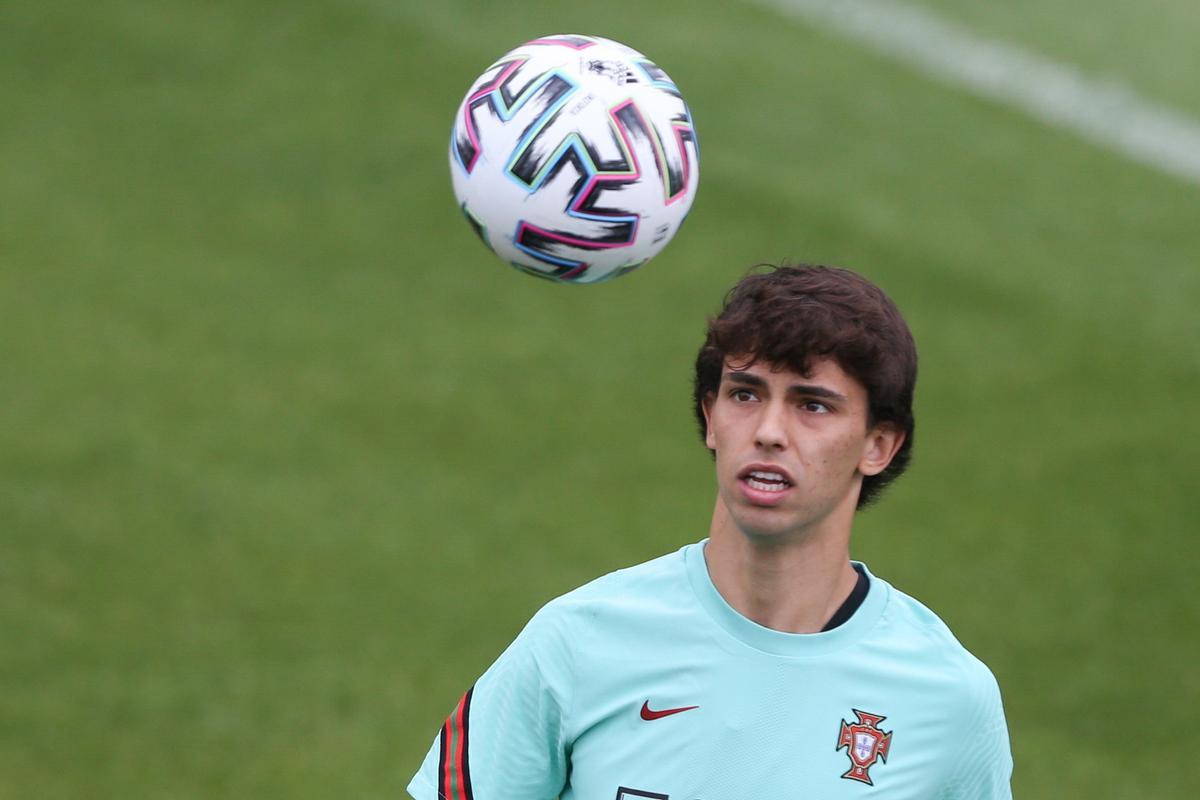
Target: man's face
[(791, 449)]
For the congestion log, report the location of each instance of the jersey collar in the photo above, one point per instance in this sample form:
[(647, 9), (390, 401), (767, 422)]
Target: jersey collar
[(767, 640)]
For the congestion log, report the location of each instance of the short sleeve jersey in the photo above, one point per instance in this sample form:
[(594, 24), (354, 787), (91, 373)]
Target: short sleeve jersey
[(645, 683)]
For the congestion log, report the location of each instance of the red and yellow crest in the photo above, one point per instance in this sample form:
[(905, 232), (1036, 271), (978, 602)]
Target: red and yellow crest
[(865, 744)]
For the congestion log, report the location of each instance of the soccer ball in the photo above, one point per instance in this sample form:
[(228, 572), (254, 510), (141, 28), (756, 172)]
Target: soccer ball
[(574, 158)]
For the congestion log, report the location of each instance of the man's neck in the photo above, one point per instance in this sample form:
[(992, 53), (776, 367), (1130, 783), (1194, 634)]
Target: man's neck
[(792, 584)]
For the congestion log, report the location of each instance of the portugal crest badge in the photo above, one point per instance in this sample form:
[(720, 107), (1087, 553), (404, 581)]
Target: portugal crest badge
[(865, 744)]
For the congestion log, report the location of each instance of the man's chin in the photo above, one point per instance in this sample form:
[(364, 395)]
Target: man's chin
[(766, 525)]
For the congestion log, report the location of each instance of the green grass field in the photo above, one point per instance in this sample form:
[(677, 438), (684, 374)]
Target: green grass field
[(287, 458)]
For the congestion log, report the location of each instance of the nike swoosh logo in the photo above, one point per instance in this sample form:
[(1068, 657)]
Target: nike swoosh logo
[(648, 715)]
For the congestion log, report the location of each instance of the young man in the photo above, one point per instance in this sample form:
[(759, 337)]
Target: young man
[(761, 662)]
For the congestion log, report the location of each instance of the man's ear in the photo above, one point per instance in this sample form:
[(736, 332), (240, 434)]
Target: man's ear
[(706, 404), (882, 444)]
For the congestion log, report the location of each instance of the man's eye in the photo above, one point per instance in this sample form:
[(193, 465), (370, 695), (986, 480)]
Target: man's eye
[(816, 408), (742, 395)]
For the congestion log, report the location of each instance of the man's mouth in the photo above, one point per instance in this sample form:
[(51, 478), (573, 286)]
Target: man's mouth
[(766, 480)]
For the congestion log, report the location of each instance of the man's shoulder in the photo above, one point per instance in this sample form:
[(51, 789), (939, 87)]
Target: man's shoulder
[(658, 579), (643, 592), (931, 643)]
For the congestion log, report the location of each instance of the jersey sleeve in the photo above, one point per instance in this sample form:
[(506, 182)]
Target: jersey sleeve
[(506, 737), (985, 767)]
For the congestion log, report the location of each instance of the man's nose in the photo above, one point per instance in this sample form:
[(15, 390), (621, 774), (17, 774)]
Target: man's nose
[(772, 429)]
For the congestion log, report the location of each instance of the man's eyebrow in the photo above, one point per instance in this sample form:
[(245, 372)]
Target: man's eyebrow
[(749, 379), (814, 390), (805, 389)]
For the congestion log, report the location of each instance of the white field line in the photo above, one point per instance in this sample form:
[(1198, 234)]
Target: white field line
[(1100, 111)]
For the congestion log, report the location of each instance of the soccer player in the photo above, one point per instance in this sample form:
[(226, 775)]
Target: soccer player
[(760, 662)]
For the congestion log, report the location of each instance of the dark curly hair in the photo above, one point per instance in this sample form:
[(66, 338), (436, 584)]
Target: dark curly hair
[(785, 316)]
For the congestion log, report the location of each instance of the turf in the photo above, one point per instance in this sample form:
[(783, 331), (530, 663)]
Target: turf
[(286, 457), (1145, 46)]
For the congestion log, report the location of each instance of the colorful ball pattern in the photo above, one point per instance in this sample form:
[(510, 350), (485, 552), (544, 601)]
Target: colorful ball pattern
[(574, 158)]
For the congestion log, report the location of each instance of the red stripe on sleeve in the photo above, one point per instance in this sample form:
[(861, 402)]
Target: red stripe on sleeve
[(460, 725), (454, 774)]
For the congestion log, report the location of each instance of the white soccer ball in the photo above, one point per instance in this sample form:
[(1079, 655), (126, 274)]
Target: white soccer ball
[(574, 158)]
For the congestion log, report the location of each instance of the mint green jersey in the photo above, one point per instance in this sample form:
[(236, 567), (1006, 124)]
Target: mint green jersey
[(646, 684)]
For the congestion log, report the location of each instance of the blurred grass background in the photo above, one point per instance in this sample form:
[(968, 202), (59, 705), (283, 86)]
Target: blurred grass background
[(287, 458)]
